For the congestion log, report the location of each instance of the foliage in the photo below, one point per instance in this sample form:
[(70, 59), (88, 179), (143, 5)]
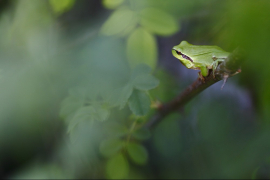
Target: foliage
[(60, 6), (75, 97)]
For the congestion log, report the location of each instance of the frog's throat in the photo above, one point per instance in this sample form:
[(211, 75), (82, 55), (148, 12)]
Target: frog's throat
[(184, 56)]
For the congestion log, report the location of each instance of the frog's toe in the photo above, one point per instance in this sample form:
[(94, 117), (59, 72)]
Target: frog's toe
[(201, 77)]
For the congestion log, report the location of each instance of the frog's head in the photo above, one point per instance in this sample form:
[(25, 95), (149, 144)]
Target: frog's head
[(179, 52)]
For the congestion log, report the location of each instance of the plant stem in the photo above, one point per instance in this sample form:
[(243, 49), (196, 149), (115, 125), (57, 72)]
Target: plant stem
[(226, 69)]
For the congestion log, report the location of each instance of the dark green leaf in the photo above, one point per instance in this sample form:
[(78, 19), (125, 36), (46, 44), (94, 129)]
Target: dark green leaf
[(117, 167), (137, 153), (117, 130), (139, 103), (141, 134), (142, 48)]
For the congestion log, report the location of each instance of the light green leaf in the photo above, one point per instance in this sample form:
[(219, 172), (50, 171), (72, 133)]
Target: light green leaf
[(146, 82), (70, 105), (73, 102), (83, 114), (117, 167), (102, 114), (110, 147), (60, 6), (112, 4), (141, 134), (158, 21), (120, 96), (139, 103), (120, 21), (137, 153), (142, 48), (139, 70)]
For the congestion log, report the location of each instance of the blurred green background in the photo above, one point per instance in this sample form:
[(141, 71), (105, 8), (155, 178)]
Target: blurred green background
[(80, 78)]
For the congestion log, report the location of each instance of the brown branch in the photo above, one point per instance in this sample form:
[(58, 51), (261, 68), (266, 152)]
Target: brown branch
[(228, 68)]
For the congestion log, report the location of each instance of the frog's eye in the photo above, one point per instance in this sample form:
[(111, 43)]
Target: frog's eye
[(178, 52)]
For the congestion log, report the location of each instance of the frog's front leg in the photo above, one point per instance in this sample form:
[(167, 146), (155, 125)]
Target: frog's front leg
[(203, 73), (215, 64)]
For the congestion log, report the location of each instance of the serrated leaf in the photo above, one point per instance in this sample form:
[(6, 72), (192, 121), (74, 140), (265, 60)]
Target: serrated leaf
[(146, 82), (141, 134), (139, 103), (137, 153), (112, 4), (102, 114), (119, 21), (60, 6), (142, 48), (117, 167), (110, 147), (158, 21), (73, 102), (120, 96), (83, 114)]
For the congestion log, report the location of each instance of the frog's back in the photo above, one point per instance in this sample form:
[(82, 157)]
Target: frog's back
[(204, 49)]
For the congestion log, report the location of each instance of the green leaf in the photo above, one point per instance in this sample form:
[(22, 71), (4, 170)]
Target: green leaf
[(88, 113), (158, 21), (83, 114), (117, 167), (110, 147), (73, 102), (139, 70), (120, 21), (70, 105), (137, 153), (120, 96), (102, 114), (116, 129), (139, 103), (142, 48), (146, 82), (112, 4), (141, 134), (60, 6)]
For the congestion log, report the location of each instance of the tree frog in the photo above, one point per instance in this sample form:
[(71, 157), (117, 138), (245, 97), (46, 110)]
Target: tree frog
[(199, 57)]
